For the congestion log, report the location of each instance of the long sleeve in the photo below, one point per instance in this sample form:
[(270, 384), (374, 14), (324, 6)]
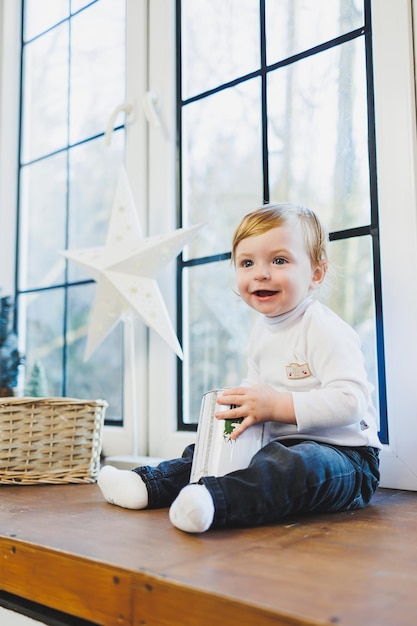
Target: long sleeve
[(342, 394)]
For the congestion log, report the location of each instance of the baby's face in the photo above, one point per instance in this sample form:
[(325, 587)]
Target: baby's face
[(274, 272)]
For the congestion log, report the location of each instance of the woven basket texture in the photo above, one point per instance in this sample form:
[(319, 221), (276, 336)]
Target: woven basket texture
[(50, 440)]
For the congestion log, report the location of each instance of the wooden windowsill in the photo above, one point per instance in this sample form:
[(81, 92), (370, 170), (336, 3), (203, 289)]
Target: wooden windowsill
[(65, 548)]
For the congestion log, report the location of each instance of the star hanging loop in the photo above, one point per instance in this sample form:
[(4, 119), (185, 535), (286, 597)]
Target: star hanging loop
[(125, 269)]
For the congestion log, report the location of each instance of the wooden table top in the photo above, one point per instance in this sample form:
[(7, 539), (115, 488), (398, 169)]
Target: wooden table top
[(65, 547)]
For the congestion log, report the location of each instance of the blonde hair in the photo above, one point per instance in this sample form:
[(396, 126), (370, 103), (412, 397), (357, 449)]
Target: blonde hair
[(272, 215)]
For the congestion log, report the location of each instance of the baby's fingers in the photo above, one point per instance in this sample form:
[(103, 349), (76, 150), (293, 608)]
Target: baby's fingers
[(244, 424), (228, 412)]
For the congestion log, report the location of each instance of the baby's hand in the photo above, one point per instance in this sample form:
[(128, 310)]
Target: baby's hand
[(260, 403)]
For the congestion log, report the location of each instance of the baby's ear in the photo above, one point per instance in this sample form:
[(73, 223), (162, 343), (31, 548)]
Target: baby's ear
[(319, 274)]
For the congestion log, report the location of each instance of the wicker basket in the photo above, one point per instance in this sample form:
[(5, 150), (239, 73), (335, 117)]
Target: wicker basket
[(50, 440)]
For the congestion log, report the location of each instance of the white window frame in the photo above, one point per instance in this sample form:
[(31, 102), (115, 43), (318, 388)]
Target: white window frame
[(131, 439), (150, 397), (395, 109), (9, 131), (164, 438)]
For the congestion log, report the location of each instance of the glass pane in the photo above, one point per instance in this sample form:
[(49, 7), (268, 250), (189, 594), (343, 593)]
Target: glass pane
[(76, 5), (318, 138), (216, 333), (45, 91), (43, 205), (220, 41), (41, 335), (349, 291), (42, 14), (292, 27), (222, 164), (97, 67), (93, 176), (101, 376)]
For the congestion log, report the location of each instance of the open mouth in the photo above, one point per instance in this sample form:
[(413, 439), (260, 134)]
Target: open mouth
[(264, 293)]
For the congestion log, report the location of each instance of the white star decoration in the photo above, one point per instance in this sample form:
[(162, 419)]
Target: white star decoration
[(125, 270)]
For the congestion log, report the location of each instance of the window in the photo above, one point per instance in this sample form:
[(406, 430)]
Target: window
[(73, 76), (76, 71), (217, 186), (276, 104), (238, 147)]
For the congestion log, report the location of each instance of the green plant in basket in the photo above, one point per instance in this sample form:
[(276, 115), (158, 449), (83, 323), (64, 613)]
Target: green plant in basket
[(10, 357)]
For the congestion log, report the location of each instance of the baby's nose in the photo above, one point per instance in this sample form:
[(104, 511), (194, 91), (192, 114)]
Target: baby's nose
[(262, 273)]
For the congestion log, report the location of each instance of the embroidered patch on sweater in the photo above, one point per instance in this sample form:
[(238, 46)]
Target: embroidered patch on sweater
[(294, 370)]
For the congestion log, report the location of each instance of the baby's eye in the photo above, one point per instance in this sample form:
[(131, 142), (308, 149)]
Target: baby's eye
[(279, 261), (246, 263)]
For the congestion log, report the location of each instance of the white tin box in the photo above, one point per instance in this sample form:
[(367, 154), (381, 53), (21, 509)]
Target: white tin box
[(216, 454)]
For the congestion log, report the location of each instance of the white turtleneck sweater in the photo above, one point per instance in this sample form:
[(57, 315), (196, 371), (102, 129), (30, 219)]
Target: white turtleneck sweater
[(315, 355)]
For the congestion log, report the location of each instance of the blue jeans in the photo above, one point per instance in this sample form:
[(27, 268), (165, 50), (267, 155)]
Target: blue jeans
[(283, 479)]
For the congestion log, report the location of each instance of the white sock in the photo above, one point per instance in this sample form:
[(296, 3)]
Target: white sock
[(193, 509), (123, 488)]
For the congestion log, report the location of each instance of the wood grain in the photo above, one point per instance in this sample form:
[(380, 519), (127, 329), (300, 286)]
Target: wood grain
[(66, 548)]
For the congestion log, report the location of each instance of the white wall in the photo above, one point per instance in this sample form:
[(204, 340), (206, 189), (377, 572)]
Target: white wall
[(10, 618)]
